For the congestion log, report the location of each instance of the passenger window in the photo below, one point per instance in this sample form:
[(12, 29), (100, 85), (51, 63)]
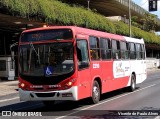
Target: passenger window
[(124, 50), (105, 48), (143, 51), (138, 51), (116, 49), (94, 48), (132, 51)]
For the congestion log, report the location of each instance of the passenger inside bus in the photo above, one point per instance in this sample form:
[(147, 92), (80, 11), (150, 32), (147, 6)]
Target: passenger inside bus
[(94, 54)]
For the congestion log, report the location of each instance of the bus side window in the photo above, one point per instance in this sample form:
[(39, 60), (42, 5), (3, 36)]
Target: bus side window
[(132, 51), (116, 49), (105, 48), (94, 48), (82, 54), (138, 51), (143, 51), (124, 50)]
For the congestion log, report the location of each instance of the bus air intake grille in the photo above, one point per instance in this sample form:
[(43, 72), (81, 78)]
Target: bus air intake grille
[(45, 94)]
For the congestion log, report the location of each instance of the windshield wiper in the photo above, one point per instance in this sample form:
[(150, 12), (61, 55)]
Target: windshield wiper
[(32, 46)]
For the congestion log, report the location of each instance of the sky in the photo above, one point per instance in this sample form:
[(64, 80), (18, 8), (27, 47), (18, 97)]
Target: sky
[(144, 4)]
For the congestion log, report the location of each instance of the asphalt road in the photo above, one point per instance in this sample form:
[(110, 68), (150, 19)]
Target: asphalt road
[(119, 104)]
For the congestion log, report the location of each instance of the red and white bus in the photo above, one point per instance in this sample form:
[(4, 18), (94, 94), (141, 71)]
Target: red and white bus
[(73, 63)]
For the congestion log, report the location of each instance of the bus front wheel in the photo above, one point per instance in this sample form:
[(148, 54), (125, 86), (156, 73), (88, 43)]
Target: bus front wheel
[(95, 92)]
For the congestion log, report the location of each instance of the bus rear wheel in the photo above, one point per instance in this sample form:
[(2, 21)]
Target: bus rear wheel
[(133, 83), (95, 92), (48, 103)]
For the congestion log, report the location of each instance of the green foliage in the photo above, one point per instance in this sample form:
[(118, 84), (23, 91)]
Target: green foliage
[(122, 28), (149, 22), (56, 12), (135, 22)]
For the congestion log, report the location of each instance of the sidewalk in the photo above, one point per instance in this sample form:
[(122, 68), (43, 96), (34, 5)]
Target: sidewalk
[(8, 87), (152, 70)]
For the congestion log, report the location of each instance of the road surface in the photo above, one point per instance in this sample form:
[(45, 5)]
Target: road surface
[(117, 104)]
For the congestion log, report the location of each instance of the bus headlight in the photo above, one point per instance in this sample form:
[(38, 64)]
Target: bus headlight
[(22, 85), (69, 83)]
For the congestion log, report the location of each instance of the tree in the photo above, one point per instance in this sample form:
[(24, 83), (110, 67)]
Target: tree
[(149, 22), (135, 22)]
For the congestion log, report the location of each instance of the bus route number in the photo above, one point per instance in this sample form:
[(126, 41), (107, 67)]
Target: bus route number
[(96, 66)]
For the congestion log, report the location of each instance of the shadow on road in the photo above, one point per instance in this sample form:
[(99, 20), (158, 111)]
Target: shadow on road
[(59, 106)]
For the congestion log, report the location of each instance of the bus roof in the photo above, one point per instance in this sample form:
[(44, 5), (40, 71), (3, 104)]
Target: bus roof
[(86, 31)]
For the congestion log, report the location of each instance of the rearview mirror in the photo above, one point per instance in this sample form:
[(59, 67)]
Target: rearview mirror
[(12, 51)]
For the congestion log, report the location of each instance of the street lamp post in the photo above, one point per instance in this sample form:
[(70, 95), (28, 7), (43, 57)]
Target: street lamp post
[(88, 3), (129, 9), (125, 19)]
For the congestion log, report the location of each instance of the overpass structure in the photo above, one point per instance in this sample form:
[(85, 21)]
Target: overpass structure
[(115, 8)]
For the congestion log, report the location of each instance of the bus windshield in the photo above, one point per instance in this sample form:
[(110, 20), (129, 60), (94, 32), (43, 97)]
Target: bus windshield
[(50, 59)]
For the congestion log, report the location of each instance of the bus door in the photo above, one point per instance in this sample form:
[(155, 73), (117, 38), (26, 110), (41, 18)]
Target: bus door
[(106, 65), (139, 61), (143, 55), (83, 68), (95, 65)]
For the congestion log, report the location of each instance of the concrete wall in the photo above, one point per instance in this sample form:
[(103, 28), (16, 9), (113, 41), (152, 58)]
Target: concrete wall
[(152, 63)]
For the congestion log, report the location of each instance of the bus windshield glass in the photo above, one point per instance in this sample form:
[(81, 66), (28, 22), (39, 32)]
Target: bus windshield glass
[(50, 59), (43, 35)]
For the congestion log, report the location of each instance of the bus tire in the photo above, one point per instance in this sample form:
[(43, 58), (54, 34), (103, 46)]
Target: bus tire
[(48, 103), (133, 83), (95, 92)]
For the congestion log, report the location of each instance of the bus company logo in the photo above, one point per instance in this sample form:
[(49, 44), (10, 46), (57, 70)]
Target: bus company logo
[(119, 67), (6, 113)]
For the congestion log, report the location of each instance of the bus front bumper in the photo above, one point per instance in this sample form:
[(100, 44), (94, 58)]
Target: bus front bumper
[(69, 94)]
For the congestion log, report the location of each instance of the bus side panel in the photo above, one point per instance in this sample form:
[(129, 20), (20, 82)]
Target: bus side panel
[(84, 83), (96, 72), (107, 76), (114, 74), (139, 67), (144, 73), (121, 73)]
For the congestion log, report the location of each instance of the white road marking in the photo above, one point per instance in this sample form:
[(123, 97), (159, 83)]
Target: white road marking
[(158, 117), (9, 99), (105, 102)]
